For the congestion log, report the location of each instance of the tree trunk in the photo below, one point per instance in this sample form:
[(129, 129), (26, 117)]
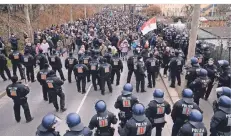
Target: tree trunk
[(29, 28), (193, 32), (71, 14), (85, 11), (8, 8), (31, 12)]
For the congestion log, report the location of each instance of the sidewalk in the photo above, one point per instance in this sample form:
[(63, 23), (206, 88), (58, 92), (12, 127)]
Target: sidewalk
[(206, 106)]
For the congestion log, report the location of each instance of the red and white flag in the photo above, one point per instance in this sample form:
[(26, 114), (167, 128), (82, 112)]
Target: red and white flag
[(149, 26)]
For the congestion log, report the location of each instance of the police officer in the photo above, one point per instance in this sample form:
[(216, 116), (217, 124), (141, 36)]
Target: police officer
[(18, 92), (108, 55), (103, 120), (117, 66), (70, 62), (191, 73), (77, 128), (220, 123), (80, 71), (4, 67), (212, 70), (41, 59), (195, 126), (199, 85), (54, 85), (16, 60), (224, 76), (138, 125), (94, 65), (152, 65), (140, 74), (131, 64), (86, 59), (175, 67), (124, 103), (47, 127), (105, 75), (182, 109), (29, 63), (220, 91), (56, 64), (41, 77), (157, 109)]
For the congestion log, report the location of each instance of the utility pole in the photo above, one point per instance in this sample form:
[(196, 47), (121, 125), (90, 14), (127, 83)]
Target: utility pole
[(71, 14), (193, 33), (85, 11)]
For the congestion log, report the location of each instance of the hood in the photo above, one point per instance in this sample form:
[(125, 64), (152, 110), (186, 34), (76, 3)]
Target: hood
[(139, 118)]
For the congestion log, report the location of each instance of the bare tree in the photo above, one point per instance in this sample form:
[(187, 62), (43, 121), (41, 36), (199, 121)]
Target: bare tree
[(29, 28)]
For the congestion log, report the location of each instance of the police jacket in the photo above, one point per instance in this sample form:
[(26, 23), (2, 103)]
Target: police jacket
[(41, 59), (175, 64), (220, 122), (31, 50), (191, 73), (156, 111), (199, 85), (116, 63), (85, 132), (140, 68), (125, 104), (103, 122), (94, 66), (17, 91), (225, 78), (28, 60), (55, 61), (54, 83), (131, 63), (135, 127), (105, 70), (152, 65), (212, 70), (144, 53), (108, 56), (181, 111), (42, 76), (3, 60), (70, 62), (193, 129), (80, 70), (15, 57), (41, 132), (86, 59)]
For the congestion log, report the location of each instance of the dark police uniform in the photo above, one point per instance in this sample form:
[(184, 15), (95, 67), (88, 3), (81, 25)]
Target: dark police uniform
[(86, 60), (18, 92), (124, 104), (105, 76), (41, 60), (140, 76), (4, 67), (193, 129), (117, 66), (94, 65), (85, 132), (70, 62), (131, 64), (80, 71), (180, 113), (156, 114), (16, 60), (103, 123), (175, 68), (152, 65), (29, 63), (54, 88), (191, 73), (56, 64), (212, 69)]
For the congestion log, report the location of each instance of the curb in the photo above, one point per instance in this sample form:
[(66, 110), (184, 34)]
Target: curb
[(172, 92)]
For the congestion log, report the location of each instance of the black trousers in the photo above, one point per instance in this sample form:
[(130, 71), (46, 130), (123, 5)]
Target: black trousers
[(175, 75), (175, 128), (88, 76), (209, 89), (159, 127), (102, 84), (25, 106), (19, 66), (94, 78), (165, 69), (46, 94), (117, 72), (69, 72), (2, 69), (83, 80), (30, 73), (140, 80), (129, 76), (151, 79), (55, 101), (60, 72)]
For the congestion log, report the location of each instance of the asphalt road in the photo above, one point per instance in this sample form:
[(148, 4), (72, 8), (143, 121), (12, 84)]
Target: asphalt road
[(79, 103)]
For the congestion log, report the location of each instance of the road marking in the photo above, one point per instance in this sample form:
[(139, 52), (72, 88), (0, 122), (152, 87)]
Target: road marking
[(84, 98)]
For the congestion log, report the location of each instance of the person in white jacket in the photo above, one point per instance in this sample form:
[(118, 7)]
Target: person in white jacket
[(44, 46)]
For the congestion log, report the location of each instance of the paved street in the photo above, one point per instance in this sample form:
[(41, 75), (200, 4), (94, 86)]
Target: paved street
[(76, 102)]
